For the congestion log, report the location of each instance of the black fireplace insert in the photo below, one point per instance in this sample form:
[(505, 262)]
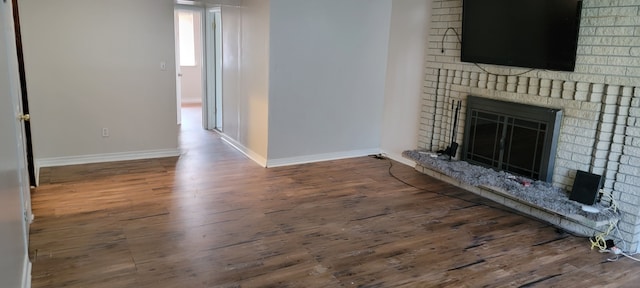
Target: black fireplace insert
[(513, 137)]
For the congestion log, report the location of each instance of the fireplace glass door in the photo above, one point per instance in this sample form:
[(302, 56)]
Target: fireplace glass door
[(511, 137)]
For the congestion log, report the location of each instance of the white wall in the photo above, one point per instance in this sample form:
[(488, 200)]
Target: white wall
[(404, 79), (95, 64), (245, 57), (255, 74), (326, 78), (14, 263)]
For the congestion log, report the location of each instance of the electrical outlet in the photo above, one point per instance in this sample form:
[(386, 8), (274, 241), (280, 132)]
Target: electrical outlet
[(105, 132)]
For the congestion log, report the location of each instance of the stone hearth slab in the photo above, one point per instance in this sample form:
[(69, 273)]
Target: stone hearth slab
[(507, 190)]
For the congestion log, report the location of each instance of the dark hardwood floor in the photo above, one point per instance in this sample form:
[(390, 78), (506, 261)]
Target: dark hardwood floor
[(212, 218)]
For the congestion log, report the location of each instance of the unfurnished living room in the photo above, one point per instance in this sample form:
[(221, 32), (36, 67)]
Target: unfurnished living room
[(331, 143)]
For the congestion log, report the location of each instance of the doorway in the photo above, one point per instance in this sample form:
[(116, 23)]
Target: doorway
[(199, 63)]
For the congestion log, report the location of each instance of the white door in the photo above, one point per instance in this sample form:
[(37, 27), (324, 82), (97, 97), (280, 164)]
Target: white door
[(178, 73), (213, 55), (14, 183)]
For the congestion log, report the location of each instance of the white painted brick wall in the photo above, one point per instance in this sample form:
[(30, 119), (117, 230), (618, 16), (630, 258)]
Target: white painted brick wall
[(600, 100)]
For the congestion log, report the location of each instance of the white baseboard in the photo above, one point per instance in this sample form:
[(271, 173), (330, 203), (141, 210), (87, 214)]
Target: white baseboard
[(320, 157), (244, 150), (26, 272), (398, 157), (191, 102), (107, 157)]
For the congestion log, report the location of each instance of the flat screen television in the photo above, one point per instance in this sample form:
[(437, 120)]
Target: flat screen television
[(539, 34)]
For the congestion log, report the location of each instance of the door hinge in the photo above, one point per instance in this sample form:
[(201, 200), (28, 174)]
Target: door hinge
[(24, 117)]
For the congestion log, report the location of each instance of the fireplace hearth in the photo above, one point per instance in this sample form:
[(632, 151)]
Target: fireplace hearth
[(536, 198)]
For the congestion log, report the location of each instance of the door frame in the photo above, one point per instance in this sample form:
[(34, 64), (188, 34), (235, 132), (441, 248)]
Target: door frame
[(28, 145), (200, 9), (213, 43), (18, 189), (176, 44), (211, 68), (28, 175)]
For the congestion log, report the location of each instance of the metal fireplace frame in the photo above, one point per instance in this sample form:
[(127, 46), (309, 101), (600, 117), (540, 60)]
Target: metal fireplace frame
[(507, 115)]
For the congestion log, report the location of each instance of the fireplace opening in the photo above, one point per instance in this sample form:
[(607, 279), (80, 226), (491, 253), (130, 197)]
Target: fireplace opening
[(513, 137)]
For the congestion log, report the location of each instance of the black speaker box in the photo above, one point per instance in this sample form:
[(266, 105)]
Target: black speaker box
[(585, 187)]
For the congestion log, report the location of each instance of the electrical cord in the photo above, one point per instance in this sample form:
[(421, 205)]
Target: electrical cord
[(476, 64), (613, 205), (437, 192), (596, 241), (624, 243), (445, 35), (501, 208), (629, 256), (517, 74), (601, 242), (617, 253), (613, 225)]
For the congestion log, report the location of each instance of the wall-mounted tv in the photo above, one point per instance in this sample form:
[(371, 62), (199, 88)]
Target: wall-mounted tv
[(539, 34)]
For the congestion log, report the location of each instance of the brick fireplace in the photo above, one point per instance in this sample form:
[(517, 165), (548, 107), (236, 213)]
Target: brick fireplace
[(600, 101)]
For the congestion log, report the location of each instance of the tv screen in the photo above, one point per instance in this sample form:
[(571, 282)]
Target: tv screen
[(523, 33)]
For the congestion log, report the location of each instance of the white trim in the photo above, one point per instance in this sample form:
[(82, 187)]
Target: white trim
[(191, 102), (107, 157), (399, 158), (321, 157), (36, 171), (26, 272), (244, 150)]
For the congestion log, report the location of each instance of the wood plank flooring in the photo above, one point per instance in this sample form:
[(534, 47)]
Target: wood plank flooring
[(212, 218)]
